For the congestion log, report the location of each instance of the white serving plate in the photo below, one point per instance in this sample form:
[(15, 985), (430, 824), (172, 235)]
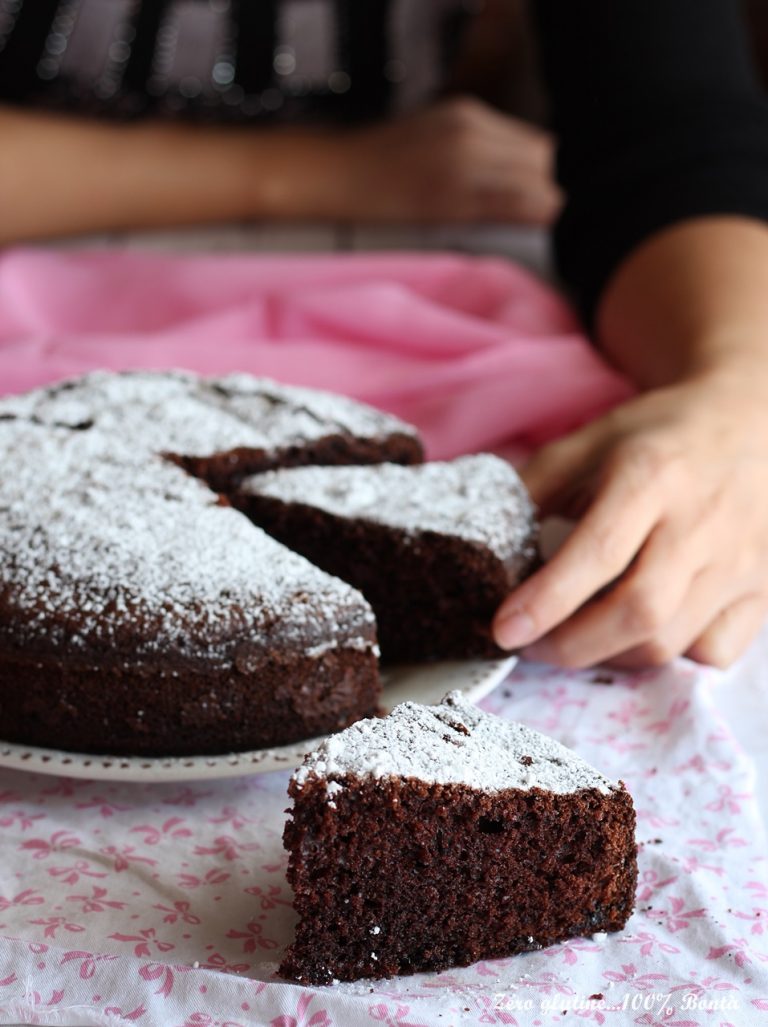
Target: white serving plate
[(424, 683)]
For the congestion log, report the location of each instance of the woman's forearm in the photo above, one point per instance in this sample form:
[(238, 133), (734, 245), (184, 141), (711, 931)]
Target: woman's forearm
[(62, 175), (691, 301), (455, 161)]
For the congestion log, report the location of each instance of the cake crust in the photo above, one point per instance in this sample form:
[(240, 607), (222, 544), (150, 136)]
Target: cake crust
[(180, 708)]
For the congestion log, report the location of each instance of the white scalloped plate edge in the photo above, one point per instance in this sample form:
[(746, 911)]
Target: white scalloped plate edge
[(424, 683)]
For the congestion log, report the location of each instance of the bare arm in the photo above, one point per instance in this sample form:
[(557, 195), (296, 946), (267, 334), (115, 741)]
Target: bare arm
[(60, 176), (692, 301), (456, 161)]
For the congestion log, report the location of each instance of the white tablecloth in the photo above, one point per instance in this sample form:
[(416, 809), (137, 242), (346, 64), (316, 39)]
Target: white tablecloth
[(166, 905)]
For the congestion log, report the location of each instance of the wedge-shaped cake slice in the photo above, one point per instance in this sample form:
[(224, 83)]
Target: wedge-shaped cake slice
[(434, 548), (442, 835)]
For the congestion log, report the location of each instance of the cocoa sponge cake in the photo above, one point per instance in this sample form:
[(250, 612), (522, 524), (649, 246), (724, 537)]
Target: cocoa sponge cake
[(442, 835), (139, 612), (434, 548), (139, 615)]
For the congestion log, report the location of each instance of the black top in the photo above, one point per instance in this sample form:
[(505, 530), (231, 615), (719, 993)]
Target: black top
[(660, 118), (655, 102)]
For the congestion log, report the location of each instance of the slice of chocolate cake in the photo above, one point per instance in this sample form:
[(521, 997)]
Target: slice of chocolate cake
[(442, 835), (434, 548)]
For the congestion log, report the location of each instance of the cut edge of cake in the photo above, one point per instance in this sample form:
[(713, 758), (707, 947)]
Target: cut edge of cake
[(442, 835), (434, 547)]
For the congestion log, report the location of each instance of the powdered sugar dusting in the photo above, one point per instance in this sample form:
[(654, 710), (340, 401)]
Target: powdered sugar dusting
[(104, 544), (179, 412), (450, 743), (479, 499)]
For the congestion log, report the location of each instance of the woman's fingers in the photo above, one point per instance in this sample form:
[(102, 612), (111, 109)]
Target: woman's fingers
[(695, 621), (692, 631), (601, 547), (558, 473), (488, 179), (468, 120), (518, 195), (489, 166), (638, 610), (732, 630), (454, 162)]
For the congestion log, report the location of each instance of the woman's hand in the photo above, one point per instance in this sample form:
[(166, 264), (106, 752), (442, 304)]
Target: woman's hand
[(670, 555), (458, 161)]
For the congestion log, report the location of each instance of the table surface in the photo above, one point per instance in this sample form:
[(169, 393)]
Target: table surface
[(169, 901)]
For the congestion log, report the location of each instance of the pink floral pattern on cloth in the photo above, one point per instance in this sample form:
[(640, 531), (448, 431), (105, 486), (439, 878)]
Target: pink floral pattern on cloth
[(166, 905)]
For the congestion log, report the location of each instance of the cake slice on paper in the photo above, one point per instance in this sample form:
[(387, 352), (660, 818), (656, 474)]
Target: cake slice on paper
[(442, 835)]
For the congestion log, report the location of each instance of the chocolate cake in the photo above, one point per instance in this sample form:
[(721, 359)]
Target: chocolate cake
[(221, 428), (434, 548), (139, 612), (443, 835)]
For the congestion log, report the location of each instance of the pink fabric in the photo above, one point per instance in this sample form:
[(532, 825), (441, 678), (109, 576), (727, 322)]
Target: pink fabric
[(476, 352)]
